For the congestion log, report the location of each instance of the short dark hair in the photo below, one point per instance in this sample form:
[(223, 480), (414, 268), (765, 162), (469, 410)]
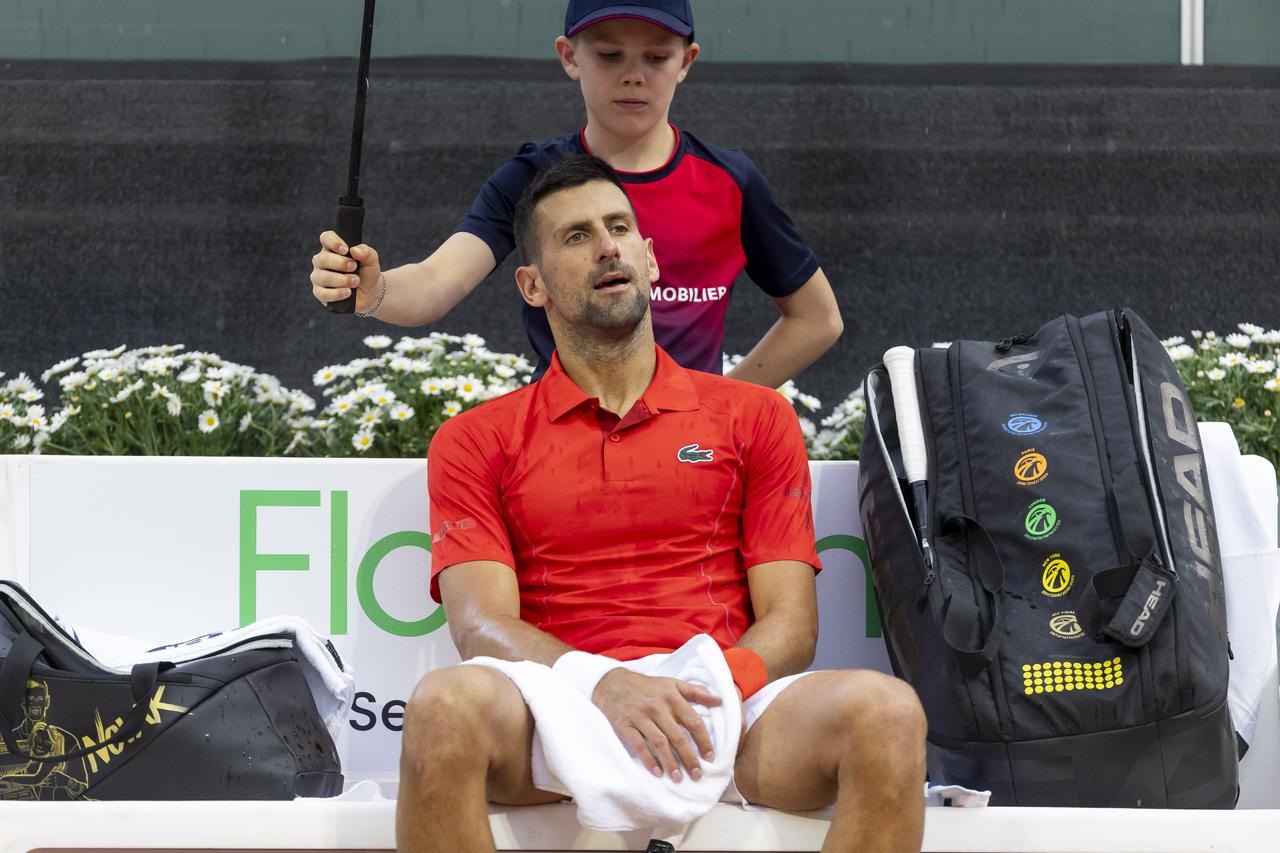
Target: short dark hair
[(562, 174)]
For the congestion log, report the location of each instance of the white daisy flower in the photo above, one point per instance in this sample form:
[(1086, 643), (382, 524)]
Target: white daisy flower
[(127, 391), (342, 405), (214, 391), (325, 375), (401, 412), (61, 367), (36, 420), (1272, 384), (468, 388), (245, 421), (191, 374), (377, 342), (1211, 335), (1174, 341), (1180, 352), (1238, 340), (472, 341), (208, 421), (22, 442), (1249, 329), (1216, 374), (1197, 334), (104, 353), (382, 397), (451, 408), (371, 417), (362, 440), (809, 401), (19, 385), (300, 402), (6, 411), (1260, 366), (173, 405), (400, 364), (431, 387), (1231, 359), (1208, 344), (504, 371), (73, 380)]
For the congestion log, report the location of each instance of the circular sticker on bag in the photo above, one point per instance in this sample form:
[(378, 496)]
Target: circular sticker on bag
[(1057, 578), (1041, 520)]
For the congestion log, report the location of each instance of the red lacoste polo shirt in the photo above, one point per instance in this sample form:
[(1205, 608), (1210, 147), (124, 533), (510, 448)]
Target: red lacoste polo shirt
[(628, 536)]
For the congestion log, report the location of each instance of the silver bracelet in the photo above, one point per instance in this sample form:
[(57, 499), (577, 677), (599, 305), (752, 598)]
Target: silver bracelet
[(377, 303)]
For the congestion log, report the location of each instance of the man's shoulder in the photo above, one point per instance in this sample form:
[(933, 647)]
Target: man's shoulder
[(733, 396), (490, 422)]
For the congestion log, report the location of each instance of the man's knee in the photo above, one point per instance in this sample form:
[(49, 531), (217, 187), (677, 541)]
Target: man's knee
[(461, 705), (883, 713)]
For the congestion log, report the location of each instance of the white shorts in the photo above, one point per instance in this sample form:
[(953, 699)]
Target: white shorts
[(752, 709)]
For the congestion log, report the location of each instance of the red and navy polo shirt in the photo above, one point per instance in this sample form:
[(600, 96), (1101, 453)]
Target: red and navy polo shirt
[(710, 214)]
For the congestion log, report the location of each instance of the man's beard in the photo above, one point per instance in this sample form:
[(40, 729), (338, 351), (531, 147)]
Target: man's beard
[(615, 316)]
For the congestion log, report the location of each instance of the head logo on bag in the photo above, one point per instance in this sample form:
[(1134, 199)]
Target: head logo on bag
[(1031, 468), (1064, 625), (1041, 521), (1057, 578), (1023, 423)]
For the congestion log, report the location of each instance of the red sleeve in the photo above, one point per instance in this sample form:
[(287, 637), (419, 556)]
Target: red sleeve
[(777, 519), (464, 472)]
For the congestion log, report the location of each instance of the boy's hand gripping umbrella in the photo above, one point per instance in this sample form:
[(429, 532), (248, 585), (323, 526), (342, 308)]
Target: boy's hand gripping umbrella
[(350, 225)]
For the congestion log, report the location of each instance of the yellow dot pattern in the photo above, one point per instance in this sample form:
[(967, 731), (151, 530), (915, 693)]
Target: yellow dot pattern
[(1058, 676)]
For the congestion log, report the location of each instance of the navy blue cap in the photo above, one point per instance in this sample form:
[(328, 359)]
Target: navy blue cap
[(673, 15)]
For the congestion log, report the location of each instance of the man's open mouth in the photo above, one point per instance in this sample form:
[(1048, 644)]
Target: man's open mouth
[(611, 280)]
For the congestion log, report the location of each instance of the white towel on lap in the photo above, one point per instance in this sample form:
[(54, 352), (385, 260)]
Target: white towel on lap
[(577, 753)]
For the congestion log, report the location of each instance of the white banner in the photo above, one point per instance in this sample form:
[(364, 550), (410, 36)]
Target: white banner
[(166, 549)]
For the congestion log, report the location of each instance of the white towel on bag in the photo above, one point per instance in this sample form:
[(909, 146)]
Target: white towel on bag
[(331, 681)]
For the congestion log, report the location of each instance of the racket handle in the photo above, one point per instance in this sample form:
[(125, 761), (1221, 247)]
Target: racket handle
[(900, 362), (351, 229)]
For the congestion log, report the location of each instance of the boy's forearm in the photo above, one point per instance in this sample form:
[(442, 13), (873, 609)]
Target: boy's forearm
[(790, 345), (424, 292)]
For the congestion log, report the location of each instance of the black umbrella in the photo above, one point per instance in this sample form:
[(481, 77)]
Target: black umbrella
[(350, 206)]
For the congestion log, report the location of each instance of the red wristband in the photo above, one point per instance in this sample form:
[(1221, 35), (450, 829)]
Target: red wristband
[(748, 670)]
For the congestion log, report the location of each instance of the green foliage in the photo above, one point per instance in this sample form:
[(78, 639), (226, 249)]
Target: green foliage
[(1234, 378)]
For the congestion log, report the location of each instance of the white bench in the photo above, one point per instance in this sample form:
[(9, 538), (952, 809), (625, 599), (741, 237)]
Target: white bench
[(348, 826)]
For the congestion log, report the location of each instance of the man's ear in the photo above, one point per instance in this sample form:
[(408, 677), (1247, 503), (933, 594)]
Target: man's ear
[(651, 259), (532, 290), (690, 54), (568, 54)]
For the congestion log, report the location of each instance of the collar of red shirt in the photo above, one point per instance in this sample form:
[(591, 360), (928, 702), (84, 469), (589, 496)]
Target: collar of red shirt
[(670, 390)]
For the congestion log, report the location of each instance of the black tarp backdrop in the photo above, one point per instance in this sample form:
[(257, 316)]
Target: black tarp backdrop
[(163, 202)]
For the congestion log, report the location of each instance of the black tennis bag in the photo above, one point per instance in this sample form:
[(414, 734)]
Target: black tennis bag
[(241, 725), (1069, 644)]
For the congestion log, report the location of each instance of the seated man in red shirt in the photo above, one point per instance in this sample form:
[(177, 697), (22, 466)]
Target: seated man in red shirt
[(621, 506)]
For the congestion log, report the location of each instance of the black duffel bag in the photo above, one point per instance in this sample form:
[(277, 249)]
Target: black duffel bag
[(1069, 643), (238, 725)]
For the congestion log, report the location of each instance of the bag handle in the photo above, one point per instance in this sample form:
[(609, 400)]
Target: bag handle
[(1128, 603), (990, 572), (14, 674)]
